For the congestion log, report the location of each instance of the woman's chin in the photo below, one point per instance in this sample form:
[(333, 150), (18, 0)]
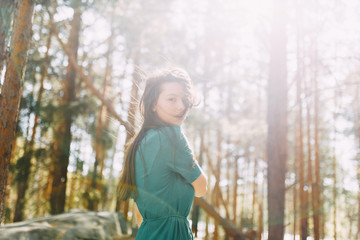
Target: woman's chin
[(178, 121)]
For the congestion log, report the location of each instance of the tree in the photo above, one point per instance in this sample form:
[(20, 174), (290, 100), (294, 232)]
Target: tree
[(356, 108), (61, 145), (277, 123), (24, 162), (316, 184), (102, 125), (300, 143), (11, 90)]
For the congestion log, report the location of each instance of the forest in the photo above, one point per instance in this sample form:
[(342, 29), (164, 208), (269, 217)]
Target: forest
[(276, 127)]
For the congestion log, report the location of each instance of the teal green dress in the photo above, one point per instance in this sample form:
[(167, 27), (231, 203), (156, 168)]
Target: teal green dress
[(164, 169)]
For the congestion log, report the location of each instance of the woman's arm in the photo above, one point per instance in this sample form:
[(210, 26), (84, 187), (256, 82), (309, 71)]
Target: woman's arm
[(200, 185)]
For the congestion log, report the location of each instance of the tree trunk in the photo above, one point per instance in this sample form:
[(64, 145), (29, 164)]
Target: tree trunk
[(23, 181), (317, 182), (300, 147), (255, 189), (242, 194), (309, 148), (100, 154), (131, 121), (76, 178), (228, 170), (217, 193), (358, 198), (11, 90), (208, 198), (61, 146), (277, 123), (9, 215), (334, 195), (334, 168), (235, 194), (260, 221), (261, 214), (112, 190), (357, 133), (217, 190), (2, 43), (295, 190), (102, 124), (24, 166), (196, 209), (72, 183)]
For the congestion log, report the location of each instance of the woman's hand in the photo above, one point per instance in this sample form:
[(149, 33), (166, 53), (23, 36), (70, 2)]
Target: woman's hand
[(138, 216)]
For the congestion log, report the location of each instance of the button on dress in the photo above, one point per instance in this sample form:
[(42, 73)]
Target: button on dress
[(164, 169)]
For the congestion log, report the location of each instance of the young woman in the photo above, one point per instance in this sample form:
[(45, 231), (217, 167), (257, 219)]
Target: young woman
[(160, 171)]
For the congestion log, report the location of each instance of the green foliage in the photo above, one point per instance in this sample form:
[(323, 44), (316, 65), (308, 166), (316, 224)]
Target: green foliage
[(79, 165), (91, 197), (7, 214), (84, 106), (246, 222), (33, 68), (41, 154), (27, 102), (26, 109), (47, 114), (106, 138), (50, 113), (22, 167), (18, 130)]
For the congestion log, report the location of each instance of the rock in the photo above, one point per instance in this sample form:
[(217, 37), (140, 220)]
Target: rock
[(123, 224), (73, 225), (41, 231)]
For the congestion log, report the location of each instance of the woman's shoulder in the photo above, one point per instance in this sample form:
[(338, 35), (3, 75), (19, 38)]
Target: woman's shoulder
[(172, 131), (167, 135)]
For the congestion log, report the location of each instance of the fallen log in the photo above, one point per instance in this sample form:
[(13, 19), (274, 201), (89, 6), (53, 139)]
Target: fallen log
[(229, 228)]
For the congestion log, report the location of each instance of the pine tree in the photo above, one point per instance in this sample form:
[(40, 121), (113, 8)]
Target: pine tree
[(11, 89)]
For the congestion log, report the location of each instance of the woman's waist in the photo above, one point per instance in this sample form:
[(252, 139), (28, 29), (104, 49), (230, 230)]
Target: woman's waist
[(165, 217)]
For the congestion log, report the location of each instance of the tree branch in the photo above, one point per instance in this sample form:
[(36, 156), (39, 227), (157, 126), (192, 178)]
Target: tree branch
[(87, 82)]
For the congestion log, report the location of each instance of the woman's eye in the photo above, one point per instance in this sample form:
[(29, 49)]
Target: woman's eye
[(172, 99)]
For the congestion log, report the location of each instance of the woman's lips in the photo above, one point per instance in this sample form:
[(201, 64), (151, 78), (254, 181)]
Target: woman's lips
[(180, 115)]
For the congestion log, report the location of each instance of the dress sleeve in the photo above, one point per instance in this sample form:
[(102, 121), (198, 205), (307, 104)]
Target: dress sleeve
[(183, 161)]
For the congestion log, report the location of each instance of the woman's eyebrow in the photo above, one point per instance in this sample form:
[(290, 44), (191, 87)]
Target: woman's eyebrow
[(173, 94)]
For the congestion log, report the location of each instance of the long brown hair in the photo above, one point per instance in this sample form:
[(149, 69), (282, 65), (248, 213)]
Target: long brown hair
[(126, 187)]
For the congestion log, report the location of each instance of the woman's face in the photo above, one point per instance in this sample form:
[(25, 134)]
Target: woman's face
[(170, 106)]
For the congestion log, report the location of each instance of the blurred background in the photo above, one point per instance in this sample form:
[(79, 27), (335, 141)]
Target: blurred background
[(278, 90)]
